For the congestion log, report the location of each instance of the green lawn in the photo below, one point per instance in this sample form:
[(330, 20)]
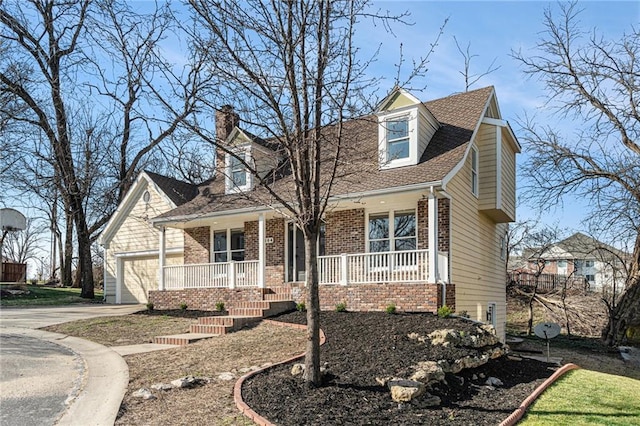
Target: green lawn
[(584, 397), (39, 295)]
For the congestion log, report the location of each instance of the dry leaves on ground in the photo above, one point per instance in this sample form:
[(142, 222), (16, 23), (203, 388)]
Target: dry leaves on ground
[(213, 402)]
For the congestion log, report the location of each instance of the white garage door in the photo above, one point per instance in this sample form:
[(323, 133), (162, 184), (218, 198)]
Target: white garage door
[(141, 275)]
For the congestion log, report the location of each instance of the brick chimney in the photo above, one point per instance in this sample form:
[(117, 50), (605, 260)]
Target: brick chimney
[(226, 120)]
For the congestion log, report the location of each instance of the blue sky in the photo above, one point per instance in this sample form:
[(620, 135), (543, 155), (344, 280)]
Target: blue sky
[(494, 29)]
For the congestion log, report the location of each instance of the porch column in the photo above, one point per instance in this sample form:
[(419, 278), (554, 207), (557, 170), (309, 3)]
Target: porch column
[(161, 258), (433, 237), (261, 250)]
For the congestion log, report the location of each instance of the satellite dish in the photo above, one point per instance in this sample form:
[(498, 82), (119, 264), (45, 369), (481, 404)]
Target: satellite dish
[(12, 220), (546, 330)]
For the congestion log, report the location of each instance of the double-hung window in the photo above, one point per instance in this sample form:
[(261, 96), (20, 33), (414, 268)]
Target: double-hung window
[(397, 139), (228, 245), (238, 172)]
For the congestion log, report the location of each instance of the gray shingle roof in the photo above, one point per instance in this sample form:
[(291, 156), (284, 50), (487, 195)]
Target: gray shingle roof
[(178, 191), (359, 172)]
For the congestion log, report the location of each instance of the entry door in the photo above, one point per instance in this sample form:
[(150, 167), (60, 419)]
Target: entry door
[(295, 244)]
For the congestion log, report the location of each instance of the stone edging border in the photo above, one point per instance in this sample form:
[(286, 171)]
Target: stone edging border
[(522, 409), (237, 388)]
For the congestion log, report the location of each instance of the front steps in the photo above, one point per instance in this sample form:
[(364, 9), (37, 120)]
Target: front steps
[(245, 314)]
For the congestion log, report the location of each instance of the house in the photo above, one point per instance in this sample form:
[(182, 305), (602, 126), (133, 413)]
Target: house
[(582, 258), (417, 218)]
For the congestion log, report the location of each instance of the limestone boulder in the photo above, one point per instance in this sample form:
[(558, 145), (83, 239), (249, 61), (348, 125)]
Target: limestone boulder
[(406, 390)]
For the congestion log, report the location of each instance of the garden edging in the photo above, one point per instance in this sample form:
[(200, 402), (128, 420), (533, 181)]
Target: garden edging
[(520, 411)]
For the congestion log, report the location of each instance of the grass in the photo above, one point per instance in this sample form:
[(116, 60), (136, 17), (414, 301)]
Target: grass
[(584, 397), (39, 295)]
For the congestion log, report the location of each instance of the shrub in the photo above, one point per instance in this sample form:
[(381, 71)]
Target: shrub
[(390, 309), (220, 306), (341, 307), (444, 311), (183, 306), (149, 306), (301, 307)]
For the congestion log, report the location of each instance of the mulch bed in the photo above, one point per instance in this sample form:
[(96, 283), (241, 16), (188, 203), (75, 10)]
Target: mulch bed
[(363, 346)]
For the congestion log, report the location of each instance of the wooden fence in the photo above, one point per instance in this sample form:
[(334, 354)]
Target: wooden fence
[(545, 282), (13, 272)]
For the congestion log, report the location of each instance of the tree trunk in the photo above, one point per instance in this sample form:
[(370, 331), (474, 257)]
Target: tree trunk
[(627, 311), (85, 263), (66, 278), (312, 356)]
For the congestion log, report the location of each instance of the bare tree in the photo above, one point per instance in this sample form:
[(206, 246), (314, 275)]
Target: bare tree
[(469, 78), (594, 81), (292, 72), (89, 152), (23, 245)]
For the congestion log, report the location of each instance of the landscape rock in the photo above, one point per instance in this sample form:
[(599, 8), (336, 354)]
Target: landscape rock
[(427, 400), (162, 386), (226, 376), (494, 381), (406, 390), (297, 369), (143, 393), (484, 336), (427, 372), (190, 381)]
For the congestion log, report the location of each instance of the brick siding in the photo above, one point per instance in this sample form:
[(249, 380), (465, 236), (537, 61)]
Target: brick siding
[(443, 224), (345, 232), (197, 243), (423, 224)]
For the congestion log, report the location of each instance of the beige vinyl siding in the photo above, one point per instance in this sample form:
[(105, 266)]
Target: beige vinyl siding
[(136, 234), (141, 275), (508, 178), (476, 267), (399, 101), (486, 142), (425, 133)]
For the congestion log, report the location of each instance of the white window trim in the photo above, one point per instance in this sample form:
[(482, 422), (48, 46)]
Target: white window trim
[(230, 186), (383, 151), (475, 184), (391, 214), (228, 251)]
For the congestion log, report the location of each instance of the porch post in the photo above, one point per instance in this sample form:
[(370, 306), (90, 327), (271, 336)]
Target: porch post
[(261, 250), (161, 258), (433, 238)]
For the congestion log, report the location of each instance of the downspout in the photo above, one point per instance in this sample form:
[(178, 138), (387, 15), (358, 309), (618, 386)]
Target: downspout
[(433, 242)]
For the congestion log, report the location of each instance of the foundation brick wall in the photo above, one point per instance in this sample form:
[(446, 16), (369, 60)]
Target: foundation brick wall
[(374, 297), (345, 232), (203, 298), (451, 296), (197, 243)]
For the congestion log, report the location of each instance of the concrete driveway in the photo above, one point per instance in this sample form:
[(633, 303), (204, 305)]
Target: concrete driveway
[(48, 376)]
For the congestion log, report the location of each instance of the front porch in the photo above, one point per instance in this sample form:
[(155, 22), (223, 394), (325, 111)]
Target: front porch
[(410, 266)]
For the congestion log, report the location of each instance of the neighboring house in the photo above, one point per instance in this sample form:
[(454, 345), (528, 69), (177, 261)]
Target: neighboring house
[(582, 258), (417, 218)]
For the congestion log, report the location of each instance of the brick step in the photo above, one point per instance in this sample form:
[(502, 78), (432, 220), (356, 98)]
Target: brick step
[(210, 329), (182, 339), (228, 321), (247, 312), (276, 297), (258, 304)]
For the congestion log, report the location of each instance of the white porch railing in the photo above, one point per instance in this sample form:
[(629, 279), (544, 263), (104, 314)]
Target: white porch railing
[(388, 267), (362, 268), (212, 275)]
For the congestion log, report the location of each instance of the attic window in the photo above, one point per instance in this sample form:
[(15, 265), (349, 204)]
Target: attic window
[(238, 172), (398, 139), (146, 197)]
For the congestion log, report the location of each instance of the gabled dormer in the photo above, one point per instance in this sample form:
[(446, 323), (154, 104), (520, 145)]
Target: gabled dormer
[(248, 158), (405, 128)]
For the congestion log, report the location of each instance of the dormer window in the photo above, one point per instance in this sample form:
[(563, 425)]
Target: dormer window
[(238, 178), (238, 172), (398, 139), (405, 128)]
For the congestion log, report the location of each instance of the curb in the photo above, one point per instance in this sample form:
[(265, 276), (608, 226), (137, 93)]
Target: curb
[(237, 388), (522, 409), (104, 380)]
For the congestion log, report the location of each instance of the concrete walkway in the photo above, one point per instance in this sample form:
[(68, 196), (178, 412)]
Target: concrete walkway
[(104, 379)]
